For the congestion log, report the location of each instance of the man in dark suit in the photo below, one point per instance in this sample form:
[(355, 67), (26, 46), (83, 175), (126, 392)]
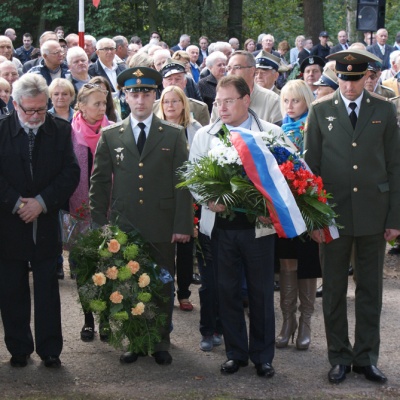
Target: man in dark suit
[(106, 65), (321, 49), (203, 54), (184, 41), (352, 141), (139, 189), (342, 45), (381, 49), (307, 46), (38, 173)]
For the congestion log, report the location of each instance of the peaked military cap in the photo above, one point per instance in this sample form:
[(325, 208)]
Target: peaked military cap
[(172, 67), (328, 78), (139, 79), (311, 60), (351, 65), (267, 60)]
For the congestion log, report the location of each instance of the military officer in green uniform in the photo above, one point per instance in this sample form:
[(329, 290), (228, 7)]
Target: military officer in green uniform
[(134, 182), (352, 141)]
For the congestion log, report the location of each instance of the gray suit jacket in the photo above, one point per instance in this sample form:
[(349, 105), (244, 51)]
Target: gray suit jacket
[(375, 49)]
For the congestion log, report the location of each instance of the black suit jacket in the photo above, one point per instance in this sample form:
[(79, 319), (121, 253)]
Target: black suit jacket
[(303, 55), (55, 176), (201, 58), (97, 70)]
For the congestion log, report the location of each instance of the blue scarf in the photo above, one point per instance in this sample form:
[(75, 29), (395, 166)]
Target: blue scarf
[(292, 129)]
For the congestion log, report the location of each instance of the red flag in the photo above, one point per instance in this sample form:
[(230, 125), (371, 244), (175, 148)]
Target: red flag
[(96, 3)]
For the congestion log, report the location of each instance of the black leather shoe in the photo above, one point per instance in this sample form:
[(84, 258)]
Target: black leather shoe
[(87, 333), (371, 372), (265, 369), (232, 366), (51, 361), (128, 357), (196, 279), (338, 373), (162, 357), (319, 291), (19, 361)]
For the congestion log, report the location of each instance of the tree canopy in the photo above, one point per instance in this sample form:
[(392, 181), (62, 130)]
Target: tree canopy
[(217, 19)]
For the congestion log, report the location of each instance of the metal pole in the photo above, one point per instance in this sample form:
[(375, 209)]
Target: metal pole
[(81, 23)]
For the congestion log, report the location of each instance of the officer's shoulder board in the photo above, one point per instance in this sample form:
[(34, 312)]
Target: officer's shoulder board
[(322, 99), (110, 127), (378, 96), (201, 103), (171, 124)]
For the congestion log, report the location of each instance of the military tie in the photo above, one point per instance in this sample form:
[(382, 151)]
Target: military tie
[(142, 137), (31, 141), (353, 115)]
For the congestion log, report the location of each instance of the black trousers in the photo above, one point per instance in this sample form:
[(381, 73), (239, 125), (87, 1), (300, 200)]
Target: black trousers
[(15, 305), (184, 268), (257, 256)]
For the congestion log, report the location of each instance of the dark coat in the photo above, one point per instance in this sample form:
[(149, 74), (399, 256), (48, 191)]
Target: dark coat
[(55, 177), (208, 90), (320, 51), (41, 69), (97, 70)]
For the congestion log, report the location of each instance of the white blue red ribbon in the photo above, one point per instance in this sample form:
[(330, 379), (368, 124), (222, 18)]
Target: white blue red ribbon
[(263, 170)]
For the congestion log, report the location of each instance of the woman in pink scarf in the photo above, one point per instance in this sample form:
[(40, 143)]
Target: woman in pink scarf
[(86, 127)]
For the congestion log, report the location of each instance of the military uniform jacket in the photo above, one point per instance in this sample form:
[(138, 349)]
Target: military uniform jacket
[(361, 168), (139, 191)]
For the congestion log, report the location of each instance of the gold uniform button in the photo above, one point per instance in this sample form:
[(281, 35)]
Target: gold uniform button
[(141, 164), (355, 189), (140, 189), (141, 201), (354, 144), (355, 166), (140, 176)]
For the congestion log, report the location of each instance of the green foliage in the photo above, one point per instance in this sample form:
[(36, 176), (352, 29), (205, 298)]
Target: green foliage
[(282, 18)]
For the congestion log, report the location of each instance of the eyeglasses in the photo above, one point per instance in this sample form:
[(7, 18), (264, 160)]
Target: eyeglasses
[(56, 53), (107, 49), (95, 86), (238, 67), (226, 102), (172, 102), (40, 111)]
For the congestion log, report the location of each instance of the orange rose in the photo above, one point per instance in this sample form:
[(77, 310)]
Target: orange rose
[(113, 246), (139, 309), (116, 297), (99, 279), (144, 280), (112, 273), (133, 266)]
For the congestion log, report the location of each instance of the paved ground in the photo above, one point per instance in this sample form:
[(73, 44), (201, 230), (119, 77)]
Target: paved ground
[(92, 370)]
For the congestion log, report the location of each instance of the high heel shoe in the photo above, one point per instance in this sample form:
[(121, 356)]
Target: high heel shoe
[(288, 283)]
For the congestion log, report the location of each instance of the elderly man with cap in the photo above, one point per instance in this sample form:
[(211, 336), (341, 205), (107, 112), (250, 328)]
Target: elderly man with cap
[(352, 141), (327, 84), (139, 189), (173, 73), (372, 84), (321, 49), (312, 68), (267, 66)]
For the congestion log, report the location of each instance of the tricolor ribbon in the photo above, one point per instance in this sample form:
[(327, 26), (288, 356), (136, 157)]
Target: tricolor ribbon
[(263, 170)]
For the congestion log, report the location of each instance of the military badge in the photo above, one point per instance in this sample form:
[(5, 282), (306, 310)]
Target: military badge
[(330, 119), (330, 126), (349, 68), (119, 156), (138, 73)]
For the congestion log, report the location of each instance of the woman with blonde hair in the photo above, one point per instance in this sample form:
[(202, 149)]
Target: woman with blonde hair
[(299, 257), (175, 108), (62, 95)]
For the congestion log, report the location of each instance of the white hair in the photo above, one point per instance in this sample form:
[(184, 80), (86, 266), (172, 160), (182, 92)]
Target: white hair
[(75, 51)]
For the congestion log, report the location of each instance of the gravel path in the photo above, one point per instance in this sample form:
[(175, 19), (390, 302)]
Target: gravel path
[(92, 370)]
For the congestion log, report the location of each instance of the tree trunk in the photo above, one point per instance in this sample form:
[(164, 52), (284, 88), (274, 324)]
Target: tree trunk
[(313, 18), (235, 19), (152, 8), (351, 20)]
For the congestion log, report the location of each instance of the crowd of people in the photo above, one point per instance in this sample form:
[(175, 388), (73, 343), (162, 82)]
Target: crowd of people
[(109, 124)]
